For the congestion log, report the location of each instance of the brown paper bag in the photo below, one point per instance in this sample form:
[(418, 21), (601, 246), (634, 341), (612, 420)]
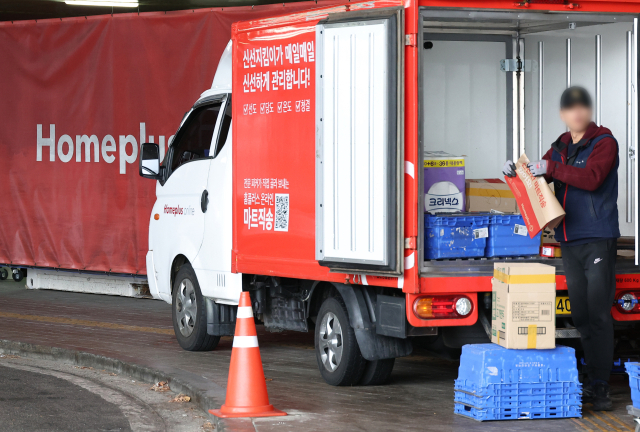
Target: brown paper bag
[(536, 201)]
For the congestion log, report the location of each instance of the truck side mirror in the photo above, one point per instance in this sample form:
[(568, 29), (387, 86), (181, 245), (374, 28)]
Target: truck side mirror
[(150, 161)]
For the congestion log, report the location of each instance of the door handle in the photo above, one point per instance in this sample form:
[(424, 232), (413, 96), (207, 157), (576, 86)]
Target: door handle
[(204, 201)]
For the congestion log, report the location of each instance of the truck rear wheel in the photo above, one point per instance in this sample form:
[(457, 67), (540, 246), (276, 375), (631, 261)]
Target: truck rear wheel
[(17, 274), (3, 273), (189, 313), (339, 358), (377, 372)]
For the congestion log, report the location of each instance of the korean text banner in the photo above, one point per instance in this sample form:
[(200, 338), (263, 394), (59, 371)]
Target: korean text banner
[(78, 97)]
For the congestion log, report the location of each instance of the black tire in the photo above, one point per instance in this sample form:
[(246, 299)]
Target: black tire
[(4, 274), (17, 276), (195, 337), (377, 372), (350, 367)]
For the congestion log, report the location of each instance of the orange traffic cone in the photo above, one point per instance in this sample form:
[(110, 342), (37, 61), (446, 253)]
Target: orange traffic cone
[(246, 388)]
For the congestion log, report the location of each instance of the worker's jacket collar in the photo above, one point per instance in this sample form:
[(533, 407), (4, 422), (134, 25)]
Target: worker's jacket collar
[(565, 139)]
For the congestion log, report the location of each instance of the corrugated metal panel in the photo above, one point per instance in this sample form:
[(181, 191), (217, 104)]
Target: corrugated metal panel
[(353, 142)]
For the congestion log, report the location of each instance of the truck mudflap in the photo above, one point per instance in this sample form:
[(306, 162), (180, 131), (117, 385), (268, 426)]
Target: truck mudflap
[(221, 318), (373, 346)]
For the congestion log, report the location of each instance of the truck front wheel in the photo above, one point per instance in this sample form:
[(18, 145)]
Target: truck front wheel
[(189, 313), (339, 358)]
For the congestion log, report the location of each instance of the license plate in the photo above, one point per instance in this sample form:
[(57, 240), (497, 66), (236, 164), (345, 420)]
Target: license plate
[(563, 306)]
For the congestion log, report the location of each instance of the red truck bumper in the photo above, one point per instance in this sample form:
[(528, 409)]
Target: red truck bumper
[(470, 286)]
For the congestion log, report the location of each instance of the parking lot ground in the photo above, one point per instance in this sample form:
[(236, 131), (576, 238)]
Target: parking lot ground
[(47, 395), (419, 396)]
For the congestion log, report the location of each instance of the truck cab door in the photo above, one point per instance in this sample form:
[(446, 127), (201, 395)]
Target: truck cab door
[(359, 141), (182, 197), (213, 264)]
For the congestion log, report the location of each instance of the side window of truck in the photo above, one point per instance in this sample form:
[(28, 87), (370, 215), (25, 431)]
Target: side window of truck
[(224, 128), (194, 139)]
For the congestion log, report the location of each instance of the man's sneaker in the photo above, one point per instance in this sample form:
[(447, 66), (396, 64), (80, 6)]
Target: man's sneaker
[(588, 393), (601, 400)]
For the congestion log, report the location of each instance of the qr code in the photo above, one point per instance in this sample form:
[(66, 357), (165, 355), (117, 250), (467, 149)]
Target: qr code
[(282, 213)]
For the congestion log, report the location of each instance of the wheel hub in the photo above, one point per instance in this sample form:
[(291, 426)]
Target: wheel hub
[(186, 307), (330, 341)]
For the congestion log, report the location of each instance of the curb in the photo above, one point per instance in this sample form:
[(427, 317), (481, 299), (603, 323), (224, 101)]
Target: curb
[(141, 373)]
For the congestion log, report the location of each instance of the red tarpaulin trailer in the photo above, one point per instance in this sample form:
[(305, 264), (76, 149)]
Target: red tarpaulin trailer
[(79, 95)]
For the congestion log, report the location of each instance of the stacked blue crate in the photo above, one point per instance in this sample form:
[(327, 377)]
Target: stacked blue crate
[(495, 383), (508, 236), (455, 235), (633, 369)]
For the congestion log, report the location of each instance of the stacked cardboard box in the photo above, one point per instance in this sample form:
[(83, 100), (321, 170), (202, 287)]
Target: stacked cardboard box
[(489, 195), (523, 306)]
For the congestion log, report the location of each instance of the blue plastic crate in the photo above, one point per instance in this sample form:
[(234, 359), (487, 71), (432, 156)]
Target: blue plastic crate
[(634, 383), (482, 365), (485, 414), (620, 364), (519, 389), (633, 369), (507, 240), (518, 401), (455, 235)]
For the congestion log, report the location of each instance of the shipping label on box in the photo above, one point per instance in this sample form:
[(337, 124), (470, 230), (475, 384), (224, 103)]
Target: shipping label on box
[(523, 306), (536, 201), (489, 195), (551, 251), (443, 182)]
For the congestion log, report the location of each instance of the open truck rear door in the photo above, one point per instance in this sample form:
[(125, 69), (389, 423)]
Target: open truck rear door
[(359, 141), (633, 183)]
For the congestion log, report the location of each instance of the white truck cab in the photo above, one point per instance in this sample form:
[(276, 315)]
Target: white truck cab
[(191, 220)]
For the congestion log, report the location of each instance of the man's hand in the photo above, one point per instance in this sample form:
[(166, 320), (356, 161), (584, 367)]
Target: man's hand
[(538, 168), (509, 169)]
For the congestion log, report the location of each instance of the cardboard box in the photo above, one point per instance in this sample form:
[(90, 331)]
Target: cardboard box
[(536, 201), (486, 195), (443, 182), (523, 306), (548, 233)]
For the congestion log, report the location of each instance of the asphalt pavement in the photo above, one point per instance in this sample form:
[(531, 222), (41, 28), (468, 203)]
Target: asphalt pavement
[(137, 335), (35, 401), (43, 395)]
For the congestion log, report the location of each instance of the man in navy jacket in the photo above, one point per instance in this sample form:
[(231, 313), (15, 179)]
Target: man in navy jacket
[(583, 165)]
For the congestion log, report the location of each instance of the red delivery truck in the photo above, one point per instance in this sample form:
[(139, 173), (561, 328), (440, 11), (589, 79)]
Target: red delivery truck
[(298, 176)]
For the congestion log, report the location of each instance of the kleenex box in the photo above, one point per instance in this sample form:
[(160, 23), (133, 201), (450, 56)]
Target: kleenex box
[(443, 182)]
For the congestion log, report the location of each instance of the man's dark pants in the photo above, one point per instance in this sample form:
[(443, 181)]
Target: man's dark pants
[(591, 279)]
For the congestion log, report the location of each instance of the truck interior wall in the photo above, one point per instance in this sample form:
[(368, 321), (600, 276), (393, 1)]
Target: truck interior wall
[(583, 73), (462, 87), (467, 101)]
